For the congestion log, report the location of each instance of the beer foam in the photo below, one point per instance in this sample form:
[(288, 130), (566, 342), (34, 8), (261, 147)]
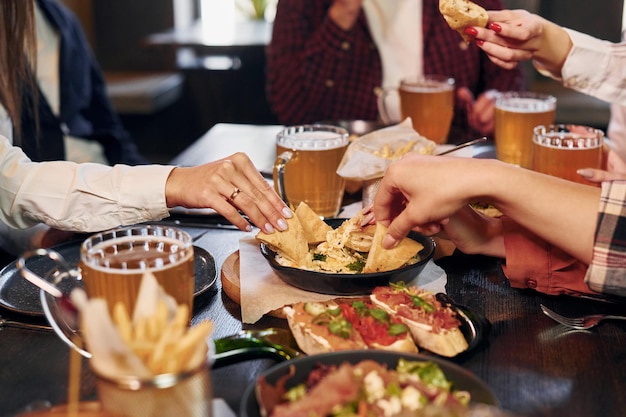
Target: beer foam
[(315, 140), (525, 105), (131, 254)]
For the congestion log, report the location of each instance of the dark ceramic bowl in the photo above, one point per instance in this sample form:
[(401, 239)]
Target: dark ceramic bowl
[(461, 378), (349, 284)]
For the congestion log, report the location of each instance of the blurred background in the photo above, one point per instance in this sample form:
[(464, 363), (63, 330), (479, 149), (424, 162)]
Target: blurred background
[(175, 68)]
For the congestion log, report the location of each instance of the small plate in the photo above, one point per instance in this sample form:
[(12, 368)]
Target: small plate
[(20, 296), (461, 378), (349, 284)]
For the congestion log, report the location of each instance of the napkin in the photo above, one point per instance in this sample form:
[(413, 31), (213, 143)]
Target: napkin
[(262, 291), (363, 159)]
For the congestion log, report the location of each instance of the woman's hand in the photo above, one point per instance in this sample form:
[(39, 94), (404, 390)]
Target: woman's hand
[(227, 186), (420, 192), (615, 170), (517, 35)]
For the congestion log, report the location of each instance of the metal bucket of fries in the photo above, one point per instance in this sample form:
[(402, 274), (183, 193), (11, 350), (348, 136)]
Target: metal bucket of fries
[(185, 394)]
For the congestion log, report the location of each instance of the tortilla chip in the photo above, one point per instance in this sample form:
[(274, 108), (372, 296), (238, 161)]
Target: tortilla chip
[(361, 240), (290, 243), (460, 14), (381, 260), (315, 229)]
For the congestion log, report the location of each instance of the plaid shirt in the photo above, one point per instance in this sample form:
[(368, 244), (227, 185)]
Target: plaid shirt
[(607, 272), (317, 71)]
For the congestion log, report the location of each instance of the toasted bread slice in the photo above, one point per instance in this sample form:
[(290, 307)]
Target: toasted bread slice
[(433, 326), (316, 338), (460, 14)]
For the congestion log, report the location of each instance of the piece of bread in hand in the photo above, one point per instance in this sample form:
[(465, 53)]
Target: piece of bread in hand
[(433, 326), (460, 14)]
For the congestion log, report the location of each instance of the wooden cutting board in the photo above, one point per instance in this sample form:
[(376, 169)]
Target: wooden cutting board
[(231, 282)]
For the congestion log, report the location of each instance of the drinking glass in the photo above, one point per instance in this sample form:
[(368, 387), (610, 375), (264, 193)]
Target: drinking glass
[(517, 114), (561, 150), (112, 263), (306, 167), (427, 100)]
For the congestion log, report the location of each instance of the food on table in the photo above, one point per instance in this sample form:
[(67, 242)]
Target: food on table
[(163, 342), (433, 326), (381, 259), (486, 209), (460, 14), (346, 249), (344, 324), (315, 229), (291, 243), (366, 388), (153, 339), (395, 317)]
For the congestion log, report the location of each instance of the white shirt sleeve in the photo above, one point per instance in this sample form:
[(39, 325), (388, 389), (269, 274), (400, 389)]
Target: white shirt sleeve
[(595, 67), (78, 197)]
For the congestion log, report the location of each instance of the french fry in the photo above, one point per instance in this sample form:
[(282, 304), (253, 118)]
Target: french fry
[(121, 318), (163, 341)]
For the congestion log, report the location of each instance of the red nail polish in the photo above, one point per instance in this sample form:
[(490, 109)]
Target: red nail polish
[(479, 42), (471, 31), (495, 27)]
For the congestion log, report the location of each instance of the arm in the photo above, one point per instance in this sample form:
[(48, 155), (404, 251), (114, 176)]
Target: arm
[(435, 188), (91, 197)]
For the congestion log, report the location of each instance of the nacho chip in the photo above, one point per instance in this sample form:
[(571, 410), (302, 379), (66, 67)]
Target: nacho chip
[(381, 260), (290, 243), (315, 229), (460, 14)]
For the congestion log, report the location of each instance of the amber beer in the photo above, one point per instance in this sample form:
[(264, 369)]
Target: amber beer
[(306, 167), (429, 102), (561, 150), (517, 114), (113, 263)]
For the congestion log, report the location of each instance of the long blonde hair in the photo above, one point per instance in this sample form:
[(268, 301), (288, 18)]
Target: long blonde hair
[(18, 56)]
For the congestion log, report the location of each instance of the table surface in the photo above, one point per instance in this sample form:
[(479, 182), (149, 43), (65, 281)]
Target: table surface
[(534, 366)]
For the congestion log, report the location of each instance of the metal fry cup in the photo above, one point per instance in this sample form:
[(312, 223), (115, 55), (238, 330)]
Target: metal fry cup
[(185, 394)]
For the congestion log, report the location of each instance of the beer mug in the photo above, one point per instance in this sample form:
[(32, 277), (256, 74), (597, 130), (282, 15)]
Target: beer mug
[(306, 167), (561, 150), (427, 100), (112, 263), (517, 114)]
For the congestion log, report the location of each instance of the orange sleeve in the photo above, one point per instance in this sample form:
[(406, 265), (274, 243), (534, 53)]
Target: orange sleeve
[(531, 262)]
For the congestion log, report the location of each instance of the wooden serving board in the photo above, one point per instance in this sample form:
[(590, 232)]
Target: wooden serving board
[(231, 282)]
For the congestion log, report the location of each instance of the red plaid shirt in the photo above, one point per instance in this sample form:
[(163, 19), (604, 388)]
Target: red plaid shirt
[(317, 71)]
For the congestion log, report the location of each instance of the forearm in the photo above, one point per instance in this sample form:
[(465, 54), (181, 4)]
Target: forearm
[(561, 212), (555, 45)]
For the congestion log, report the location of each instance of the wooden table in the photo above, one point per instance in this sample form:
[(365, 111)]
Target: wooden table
[(534, 366)]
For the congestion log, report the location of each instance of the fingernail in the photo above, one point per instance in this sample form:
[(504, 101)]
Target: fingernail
[(287, 212), (269, 228), (248, 228), (389, 242), (585, 172), (471, 31), (282, 225), (479, 42), (495, 27)]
